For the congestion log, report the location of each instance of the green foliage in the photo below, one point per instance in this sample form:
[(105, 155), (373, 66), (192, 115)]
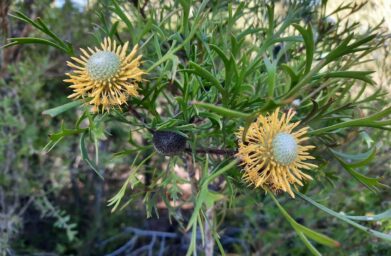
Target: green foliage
[(63, 220), (212, 67), (347, 219), (304, 232), (61, 109), (40, 25)]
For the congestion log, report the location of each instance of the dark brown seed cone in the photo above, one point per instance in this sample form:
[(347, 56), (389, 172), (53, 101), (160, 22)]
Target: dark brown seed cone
[(168, 143)]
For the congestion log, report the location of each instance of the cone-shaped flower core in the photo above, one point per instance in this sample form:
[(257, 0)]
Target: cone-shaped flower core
[(103, 65), (284, 148)]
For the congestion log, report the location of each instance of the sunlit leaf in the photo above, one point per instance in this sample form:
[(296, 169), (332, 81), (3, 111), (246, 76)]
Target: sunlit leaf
[(309, 45), (356, 160), (359, 160), (32, 40), (359, 75), (300, 229), (63, 108), (221, 110), (345, 218), (378, 217), (371, 183)]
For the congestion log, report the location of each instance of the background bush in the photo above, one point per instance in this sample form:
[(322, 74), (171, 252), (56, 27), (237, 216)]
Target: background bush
[(55, 203)]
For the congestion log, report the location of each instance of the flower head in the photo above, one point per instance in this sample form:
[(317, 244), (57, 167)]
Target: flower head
[(107, 75), (272, 155)]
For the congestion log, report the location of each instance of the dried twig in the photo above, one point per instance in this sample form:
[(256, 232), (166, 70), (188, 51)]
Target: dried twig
[(128, 247)]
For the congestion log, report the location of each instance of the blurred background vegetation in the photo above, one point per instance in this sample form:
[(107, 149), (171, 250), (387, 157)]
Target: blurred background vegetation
[(53, 204)]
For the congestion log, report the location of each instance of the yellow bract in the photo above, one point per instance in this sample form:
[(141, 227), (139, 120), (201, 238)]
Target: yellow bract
[(107, 76), (271, 154)]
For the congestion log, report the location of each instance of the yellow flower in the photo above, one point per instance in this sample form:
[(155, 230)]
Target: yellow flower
[(106, 76), (271, 154)]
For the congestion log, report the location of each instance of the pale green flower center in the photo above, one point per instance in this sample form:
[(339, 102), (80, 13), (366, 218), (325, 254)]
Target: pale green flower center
[(284, 147), (103, 65)]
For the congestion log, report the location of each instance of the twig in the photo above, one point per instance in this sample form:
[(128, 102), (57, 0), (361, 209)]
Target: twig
[(148, 247), (141, 232), (141, 9), (140, 118), (136, 114), (192, 172), (162, 247), (214, 151), (129, 246), (208, 227)]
